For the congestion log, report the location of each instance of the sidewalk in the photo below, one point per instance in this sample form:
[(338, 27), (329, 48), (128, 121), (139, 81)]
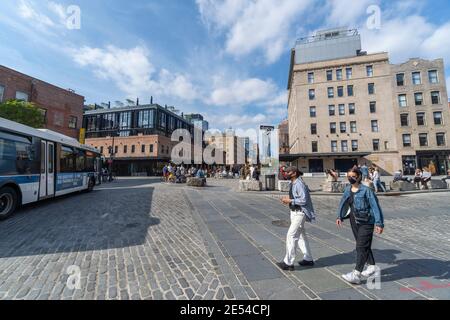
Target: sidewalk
[(245, 236)]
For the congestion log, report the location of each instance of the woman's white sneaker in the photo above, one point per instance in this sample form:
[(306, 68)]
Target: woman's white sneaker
[(353, 277), (370, 271)]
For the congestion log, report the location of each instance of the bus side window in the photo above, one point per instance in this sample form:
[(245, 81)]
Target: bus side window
[(15, 156)]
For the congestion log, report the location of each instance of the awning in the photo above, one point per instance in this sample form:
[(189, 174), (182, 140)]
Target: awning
[(293, 157)]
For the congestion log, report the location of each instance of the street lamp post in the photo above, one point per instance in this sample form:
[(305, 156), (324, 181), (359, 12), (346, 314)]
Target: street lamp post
[(112, 154)]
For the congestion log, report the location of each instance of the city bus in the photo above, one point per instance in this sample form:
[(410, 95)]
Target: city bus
[(39, 164)]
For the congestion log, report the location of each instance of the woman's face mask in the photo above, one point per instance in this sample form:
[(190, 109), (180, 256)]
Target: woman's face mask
[(352, 180)]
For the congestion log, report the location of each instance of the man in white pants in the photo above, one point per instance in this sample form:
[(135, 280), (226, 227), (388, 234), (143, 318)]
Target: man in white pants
[(302, 211)]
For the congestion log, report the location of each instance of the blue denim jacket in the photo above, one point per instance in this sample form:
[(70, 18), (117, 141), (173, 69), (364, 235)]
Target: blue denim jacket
[(366, 201), (302, 197)]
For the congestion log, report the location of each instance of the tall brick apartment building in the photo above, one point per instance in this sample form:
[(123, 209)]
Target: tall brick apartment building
[(62, 109)]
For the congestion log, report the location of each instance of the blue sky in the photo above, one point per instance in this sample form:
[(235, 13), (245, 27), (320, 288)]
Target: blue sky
[(227, 59)]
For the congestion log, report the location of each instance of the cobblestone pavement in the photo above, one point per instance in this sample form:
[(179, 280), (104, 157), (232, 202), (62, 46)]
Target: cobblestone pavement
[(141, 239), (131, 240)]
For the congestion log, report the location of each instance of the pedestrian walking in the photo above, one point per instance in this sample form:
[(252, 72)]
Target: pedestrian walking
[(418, 178), (447, 177), (360, 204), (302, 211), (377, 180), (426, 177), (365, 172)]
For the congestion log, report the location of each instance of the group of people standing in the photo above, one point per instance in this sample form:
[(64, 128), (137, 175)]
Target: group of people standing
[(359, 204)]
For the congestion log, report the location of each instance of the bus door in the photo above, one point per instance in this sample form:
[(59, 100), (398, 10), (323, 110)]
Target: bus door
[(47, 182)]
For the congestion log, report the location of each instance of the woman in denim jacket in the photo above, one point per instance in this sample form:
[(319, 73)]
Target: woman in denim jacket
[(361, 205)]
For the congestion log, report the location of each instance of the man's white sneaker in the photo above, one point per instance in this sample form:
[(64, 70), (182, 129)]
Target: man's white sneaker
[(370, 271), (353, 277)]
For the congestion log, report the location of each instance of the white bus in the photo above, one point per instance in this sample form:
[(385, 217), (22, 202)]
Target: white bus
[(42, 164)]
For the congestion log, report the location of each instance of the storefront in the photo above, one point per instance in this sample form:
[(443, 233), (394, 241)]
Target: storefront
[(438, 162)]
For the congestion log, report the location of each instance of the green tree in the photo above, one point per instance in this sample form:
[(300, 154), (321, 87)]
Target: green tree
[(22, 112)]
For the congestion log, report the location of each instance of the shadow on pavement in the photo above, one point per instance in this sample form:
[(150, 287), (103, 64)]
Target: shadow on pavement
[(399, 269), (80, 222)]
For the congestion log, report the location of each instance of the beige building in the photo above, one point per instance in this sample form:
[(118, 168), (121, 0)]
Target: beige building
[(283, 135), (344, 108), (422, 114)]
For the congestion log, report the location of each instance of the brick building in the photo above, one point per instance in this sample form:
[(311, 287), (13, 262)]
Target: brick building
[(62, 109)]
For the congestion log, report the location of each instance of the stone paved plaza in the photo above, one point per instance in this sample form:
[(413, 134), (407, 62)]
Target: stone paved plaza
[(142, 239)]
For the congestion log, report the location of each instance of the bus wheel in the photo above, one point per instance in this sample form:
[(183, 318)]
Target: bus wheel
[(8, 202), (91, 185)]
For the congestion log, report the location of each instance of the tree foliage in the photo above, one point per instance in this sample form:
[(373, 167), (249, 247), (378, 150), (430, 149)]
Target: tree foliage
[(22, 112)]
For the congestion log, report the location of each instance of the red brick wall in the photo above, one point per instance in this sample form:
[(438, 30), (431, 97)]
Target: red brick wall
[(60, 104)]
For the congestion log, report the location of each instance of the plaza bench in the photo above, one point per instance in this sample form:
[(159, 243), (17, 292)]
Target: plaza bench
[(402, 186), (250, 185), (196, 182)]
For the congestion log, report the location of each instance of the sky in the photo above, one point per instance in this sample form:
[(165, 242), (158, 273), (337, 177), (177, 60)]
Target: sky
[(226, 59)]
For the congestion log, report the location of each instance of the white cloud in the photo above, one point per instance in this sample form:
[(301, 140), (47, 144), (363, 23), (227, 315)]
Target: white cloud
[(243, 92), (27, 11), (347, 12), (133, 73), (59, 10), (250, 25)]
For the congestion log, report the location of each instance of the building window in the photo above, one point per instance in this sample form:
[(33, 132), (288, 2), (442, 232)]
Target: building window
[(423, 139), (369, 70), (125, 149), (73, 122), (342, 109), (2, 91), (440, 139), (311, 77), (418, 98), (334, 147), (375, 126), (151, 148), (340, 91), (146, 119), (371, 88), (351, 108), (349, 73), (402, 100), (353, 128), (314, 128), (312, 94), (421, 119), (416, 78), (350, 92), (101, 149), (433, 76), (21, 96), (407, 140), (333, 128), (314, 146), (331, 110), (312, 112), (116, 150), (330, 92), (343, 127), (344, 146), (133, 149), (125, 120), (404, 120), (438, 118), (355, 145), (400, 80), (44, 114), (435, 97), (330, 75), (373, 107), (143, 148), (339, 74), (376, 145)]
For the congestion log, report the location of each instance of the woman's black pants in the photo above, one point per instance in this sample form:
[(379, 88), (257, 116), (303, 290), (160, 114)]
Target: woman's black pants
[(363, 235)]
